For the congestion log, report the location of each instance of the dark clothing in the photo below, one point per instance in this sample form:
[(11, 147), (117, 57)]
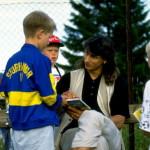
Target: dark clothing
[(32, 98), (119, 99), (90, 90)]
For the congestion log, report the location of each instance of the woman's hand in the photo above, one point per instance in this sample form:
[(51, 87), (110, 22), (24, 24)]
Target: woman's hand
[(67, 95), (74, 112), (118, 120)]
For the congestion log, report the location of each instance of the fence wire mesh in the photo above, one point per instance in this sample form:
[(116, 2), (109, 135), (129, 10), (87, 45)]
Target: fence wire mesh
[(12, 15)]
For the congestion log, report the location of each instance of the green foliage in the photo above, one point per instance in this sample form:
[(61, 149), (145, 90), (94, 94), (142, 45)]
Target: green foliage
[(141, 142), (1, 145), (94, 17), (109, 18)]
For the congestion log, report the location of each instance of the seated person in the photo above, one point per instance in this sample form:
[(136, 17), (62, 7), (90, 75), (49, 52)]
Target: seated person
[(99, 84)]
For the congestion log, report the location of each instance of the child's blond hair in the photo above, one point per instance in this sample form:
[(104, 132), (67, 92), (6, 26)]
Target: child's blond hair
[(37, 20)]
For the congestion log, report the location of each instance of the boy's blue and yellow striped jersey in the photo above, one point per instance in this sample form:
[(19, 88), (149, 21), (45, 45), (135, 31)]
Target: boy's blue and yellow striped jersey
[(29, 86)]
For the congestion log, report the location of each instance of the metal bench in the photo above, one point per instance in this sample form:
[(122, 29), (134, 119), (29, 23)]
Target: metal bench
[(4, 120)]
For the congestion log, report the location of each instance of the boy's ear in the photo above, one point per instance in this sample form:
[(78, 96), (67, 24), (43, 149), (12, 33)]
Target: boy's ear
[(39, 33)]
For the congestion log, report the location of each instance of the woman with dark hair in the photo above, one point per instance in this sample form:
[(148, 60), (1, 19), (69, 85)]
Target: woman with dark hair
[(99, 84)]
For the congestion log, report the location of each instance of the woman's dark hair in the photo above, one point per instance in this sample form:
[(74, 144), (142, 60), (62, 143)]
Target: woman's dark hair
[(103, 46)]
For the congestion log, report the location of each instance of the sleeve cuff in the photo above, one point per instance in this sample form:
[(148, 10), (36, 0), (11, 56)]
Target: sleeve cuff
[(58, 102)]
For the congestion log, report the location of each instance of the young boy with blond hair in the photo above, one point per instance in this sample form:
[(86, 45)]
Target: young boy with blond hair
[(29, 87)]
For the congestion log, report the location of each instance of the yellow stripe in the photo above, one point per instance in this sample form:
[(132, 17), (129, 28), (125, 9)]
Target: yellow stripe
[(49, 100), (52, 80), (2, 95), (24, 98), (32, 98)]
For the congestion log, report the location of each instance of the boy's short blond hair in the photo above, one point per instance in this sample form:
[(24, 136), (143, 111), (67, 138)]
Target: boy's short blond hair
[(147, 49), (37, 20)]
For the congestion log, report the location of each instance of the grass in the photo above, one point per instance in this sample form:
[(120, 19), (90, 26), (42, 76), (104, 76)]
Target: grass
[(141, 141), (1, 145)]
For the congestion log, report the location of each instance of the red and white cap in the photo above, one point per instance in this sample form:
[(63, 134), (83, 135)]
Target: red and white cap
[(55, 40)]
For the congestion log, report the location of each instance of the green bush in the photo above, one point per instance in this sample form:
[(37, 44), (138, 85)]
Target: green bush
[(1, 145), (141, 141)]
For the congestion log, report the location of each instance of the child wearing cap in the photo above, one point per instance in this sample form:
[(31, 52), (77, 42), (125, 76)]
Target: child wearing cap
[(29, 87), (52, 52)]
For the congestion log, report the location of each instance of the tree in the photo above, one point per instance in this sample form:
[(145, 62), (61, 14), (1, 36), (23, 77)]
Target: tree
[(94, 17)]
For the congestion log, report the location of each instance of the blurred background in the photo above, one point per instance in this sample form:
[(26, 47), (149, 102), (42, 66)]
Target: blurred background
[(126, 22), (79, 19), (12, 15)]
